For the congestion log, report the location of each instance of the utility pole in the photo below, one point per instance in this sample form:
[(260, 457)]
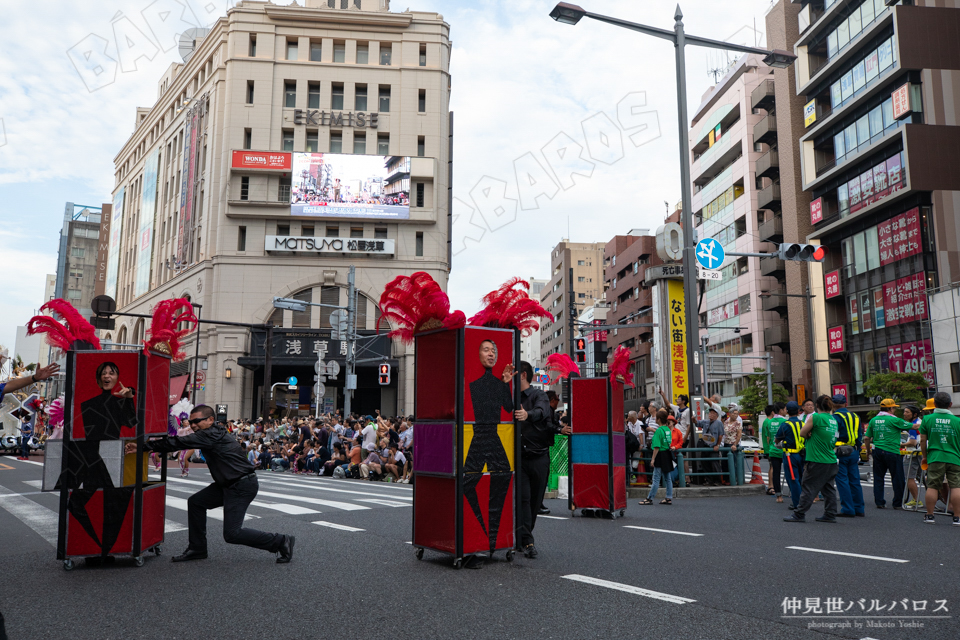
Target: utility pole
[(267, 369), (196, 356), (571, 312), (351, 381)]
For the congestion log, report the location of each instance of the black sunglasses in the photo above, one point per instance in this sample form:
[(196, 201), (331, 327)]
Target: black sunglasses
[(197, 420)]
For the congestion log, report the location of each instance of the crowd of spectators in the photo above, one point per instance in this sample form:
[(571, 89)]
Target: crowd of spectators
[(367, 447)]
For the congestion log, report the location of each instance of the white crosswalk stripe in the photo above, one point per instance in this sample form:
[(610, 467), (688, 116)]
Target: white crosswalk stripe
[(385, 503), (216, 514), (289, 509), (313, 485), (43, 521), (334, 525), (345, 506)]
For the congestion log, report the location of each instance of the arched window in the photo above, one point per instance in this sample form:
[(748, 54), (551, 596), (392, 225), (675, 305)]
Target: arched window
[(138, 332), (122, 335)]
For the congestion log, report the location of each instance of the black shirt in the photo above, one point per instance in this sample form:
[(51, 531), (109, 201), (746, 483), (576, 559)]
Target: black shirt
[(538, 430), (225, 457)]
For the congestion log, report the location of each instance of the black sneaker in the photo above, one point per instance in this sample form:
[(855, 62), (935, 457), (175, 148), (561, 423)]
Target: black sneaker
[(929, 519), (830, 519), (543, 511), (530, 551), (956, 521), (793, 517), (189, 554)]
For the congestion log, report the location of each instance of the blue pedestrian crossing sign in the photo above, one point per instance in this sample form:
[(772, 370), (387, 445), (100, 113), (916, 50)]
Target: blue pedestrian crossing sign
[(710, 254)]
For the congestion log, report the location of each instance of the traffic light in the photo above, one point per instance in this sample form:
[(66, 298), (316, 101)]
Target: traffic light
[(580, 350), (384, 374), (797, 252)]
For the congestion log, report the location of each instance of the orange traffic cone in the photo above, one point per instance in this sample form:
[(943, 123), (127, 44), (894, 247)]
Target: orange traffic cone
[(757, 474)]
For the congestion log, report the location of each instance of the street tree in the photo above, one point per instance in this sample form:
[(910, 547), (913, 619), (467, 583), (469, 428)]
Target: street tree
[(753, 398)]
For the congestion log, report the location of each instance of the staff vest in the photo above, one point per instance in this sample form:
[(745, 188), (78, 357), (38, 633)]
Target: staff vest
[(851, 422), (795, 426)]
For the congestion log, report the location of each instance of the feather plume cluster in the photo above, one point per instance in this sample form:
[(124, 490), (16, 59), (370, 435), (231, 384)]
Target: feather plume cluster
[(511, 307), (164, 336), (416, 303), (181, 410), (620, 367), (54, 412), (74, 332), (560, 365)]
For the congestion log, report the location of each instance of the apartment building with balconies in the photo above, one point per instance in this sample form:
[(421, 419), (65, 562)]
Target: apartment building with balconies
[(880, 160), (735, 171), (586, 260)]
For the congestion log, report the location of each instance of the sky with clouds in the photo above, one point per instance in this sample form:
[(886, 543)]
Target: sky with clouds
[(540, 112)]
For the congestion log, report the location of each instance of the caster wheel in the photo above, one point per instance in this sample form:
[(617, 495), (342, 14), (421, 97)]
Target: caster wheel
[(622, 511), (458, 563), (138, 561), (68, 565), (419, 554), (157, 550), (510, 555)]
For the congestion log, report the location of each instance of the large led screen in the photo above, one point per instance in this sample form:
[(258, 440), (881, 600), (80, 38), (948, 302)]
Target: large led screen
[(350, 186)]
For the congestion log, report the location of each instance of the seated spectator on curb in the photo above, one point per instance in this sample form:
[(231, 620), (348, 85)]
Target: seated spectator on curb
[(338, 459), (372, 467), (395, 463)]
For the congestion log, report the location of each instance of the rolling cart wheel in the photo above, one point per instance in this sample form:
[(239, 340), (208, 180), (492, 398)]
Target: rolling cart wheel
[(458, 563), (622, 511), (138, 560), (157, 550), (68, 565), (510, 555), (419, 554)]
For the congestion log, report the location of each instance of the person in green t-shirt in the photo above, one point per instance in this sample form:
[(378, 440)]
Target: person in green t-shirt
[(768, 434), (661, 460), (820, 469), (883, 432), (940, 444)]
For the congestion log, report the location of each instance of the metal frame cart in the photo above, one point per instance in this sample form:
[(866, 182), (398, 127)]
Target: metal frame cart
[(597, 453), (142, 526), (447, 374)]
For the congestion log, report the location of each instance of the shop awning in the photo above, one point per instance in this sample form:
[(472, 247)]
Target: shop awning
[(176, 388)]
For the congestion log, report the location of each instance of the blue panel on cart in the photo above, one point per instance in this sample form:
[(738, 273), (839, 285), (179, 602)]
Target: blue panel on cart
[(591, 448)]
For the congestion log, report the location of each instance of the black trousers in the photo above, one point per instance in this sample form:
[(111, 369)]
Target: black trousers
[(234, 501), (534, 472), (819, 477), (776, 464)]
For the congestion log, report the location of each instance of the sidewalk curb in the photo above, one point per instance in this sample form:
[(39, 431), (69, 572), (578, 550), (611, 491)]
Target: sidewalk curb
[(702, 492)]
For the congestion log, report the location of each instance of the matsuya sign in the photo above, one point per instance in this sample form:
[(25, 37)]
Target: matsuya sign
[(319, 118), (311, 244)]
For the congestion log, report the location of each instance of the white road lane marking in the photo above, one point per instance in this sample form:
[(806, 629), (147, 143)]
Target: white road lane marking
[(552, 517), (45, 522), (666, 597), (679, 533), (31, 462), (852, 555), (385, 503), (289, 509), (216, 514), (36, 484), (346, 506), (316, 485), (333, 525)]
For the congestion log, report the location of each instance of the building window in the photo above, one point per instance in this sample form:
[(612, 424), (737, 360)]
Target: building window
[(380, 232), (336, 99), (580, 263), (242, 239), (287, 139), (73, 294), (333, 232), (383, 144), (283, 192), (307, 231), (249, 91), (291, 49), (421, 146), (289, 95), (315, 51), (77, 252), (245, 188), (360, 99), (313, 95), (581, 279), (423, 55), (422, 101), (336, 142), (313, 143), (419, 244), (339, 52), (252, 47), (247, 139), (359, 142), (420, 190), (283, 229), (384, 98), (386, 53), (363, 53), (955, 376), (356, 232)]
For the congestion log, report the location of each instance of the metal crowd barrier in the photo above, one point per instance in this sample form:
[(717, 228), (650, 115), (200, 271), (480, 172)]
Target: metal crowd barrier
[(734, 474)]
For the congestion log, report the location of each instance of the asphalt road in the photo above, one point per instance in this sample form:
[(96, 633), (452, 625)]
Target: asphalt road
[(594, 577)]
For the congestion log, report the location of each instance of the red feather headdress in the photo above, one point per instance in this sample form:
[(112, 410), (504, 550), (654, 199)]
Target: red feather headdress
[(620, 367), (75, 332), (416, 303), (511, 307), (164, 336), (560, 365)]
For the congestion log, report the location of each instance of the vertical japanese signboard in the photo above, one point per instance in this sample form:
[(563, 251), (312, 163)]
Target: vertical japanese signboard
[(831, 283), (816, 211), (835, 335), (677, 334), (148, 212), (113, 262)]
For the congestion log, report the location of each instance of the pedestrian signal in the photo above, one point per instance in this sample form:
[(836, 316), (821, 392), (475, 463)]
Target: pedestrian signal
[(580, 349), (384, 374)]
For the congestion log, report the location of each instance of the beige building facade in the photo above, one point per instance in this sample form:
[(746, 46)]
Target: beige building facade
[(204, 202), (586, 259)]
